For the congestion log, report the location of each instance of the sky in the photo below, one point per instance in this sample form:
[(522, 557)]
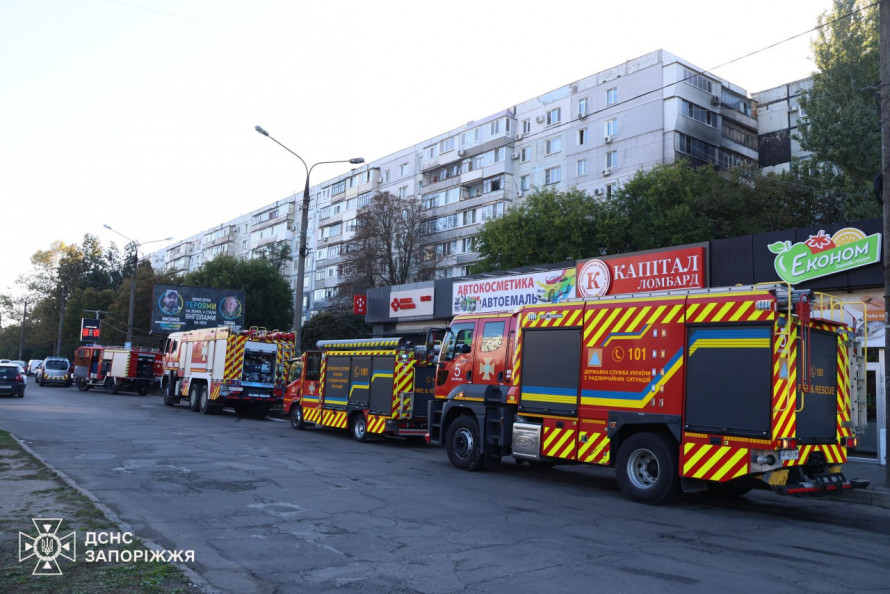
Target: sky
[(140, 114)]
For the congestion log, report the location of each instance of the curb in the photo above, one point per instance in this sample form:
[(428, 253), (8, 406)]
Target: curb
[(865, 497), (196, 579)]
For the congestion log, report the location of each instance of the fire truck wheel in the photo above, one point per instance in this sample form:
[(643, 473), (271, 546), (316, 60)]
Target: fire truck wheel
[(204, 402), (647, 468), (82, 384), (194, 402), (359, 427), (296, 417), (464, 444)]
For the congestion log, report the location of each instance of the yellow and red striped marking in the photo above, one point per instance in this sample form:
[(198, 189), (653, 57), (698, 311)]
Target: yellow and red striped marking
[(784, 417), (559, 442), (593, 448), (376, 424), (334, 418), (714, 462)]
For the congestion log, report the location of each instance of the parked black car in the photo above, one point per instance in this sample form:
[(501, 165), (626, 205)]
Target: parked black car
[(12, 380)]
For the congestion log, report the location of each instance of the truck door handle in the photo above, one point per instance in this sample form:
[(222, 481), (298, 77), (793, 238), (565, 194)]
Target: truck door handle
[(500, 377), (470, 375)]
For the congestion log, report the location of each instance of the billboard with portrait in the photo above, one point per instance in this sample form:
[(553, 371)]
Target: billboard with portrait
[(175, 308)]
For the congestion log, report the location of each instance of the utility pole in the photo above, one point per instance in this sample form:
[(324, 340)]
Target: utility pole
[(884, 41)]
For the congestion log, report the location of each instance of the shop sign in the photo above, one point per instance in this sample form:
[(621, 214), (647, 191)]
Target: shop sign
[(655, 271), (415, 302), (508, 292), (824, 255)]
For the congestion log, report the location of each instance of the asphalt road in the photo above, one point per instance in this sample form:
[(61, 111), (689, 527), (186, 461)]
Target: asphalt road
[(270, 509)]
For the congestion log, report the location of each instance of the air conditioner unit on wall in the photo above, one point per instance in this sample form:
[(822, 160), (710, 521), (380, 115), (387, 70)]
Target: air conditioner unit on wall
[(598, 192), (539, 119), (581, 115), (515, 155), (607, 171), (715, 100), (607, 138)]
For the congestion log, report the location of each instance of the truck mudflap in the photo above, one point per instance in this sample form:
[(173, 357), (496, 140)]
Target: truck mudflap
[(820, 484)]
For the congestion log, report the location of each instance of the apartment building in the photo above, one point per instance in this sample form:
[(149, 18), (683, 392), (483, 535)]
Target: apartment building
[(592, 134), (778, 112)]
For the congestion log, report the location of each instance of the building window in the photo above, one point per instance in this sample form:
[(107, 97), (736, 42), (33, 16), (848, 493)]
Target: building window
[(582, 136), (553, 116), (611, 159), (610, 190), (611, 127), (582, 167), (743, 136), (470, 216), (524, 183), (552, 175), (523, 155), (698, 113), (553, 145), (403, 192), (494, 128), (697, 80), (526, 126), (404, 169), (612, 96), (583, 106)]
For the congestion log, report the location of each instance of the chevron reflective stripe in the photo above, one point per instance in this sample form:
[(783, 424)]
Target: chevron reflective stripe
[(312, 415), (844, 426), (593, 448), (324, 363), (376, 424), (553, 317), (334, 418), (605, 324), (234, 356), (558, 443), (403, 381), (352, 345), (784, 419), (728, 307), (377, 353), (714, 462), (284, 354), (214, 390)]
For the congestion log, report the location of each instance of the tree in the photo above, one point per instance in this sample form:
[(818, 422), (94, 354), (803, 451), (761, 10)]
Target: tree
[(268, 297), (843, 122), (548, 226), (386, 247), (335, 323)]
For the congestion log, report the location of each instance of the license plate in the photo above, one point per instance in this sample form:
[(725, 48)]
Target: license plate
[(5, 387), (789, 454)]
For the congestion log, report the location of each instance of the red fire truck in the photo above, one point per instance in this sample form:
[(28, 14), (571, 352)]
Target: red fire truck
[(117, 368), (719, 390), (217, 367), (373, 387)]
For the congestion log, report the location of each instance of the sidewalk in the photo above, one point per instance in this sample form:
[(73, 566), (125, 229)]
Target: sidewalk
[(877, 493)]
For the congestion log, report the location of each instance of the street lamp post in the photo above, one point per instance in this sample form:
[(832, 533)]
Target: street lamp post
[(136, 246), (304, 223), (22, 332)]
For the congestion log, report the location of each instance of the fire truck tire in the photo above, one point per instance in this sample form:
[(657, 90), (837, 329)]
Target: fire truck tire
[(359, 426), (170, 398), (194, 401), (82, 384), (204, 402), (647, 468), (463, 443), (296, 417)]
